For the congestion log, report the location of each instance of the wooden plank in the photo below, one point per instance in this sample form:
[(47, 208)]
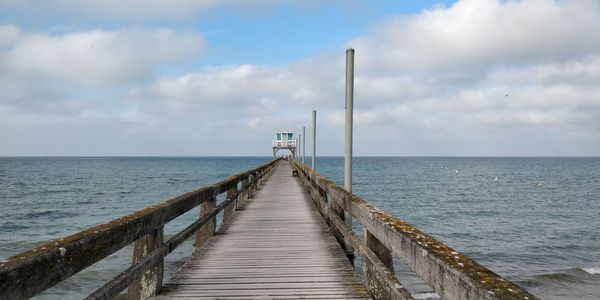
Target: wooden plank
[(450, 273), (277, 246), (29, 273)]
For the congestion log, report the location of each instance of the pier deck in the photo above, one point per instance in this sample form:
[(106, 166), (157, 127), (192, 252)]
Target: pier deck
[(277, 246), (282, 239)]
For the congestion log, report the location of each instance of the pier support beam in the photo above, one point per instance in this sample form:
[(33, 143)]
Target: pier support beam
[(228, 211), (244, 195), (384, 254), (252, 186), (208, 230), (150, 282)]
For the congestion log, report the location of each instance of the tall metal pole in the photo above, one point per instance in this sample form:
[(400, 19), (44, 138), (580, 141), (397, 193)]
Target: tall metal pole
[(303, 144), (349, 112), (298, 141), (348, 139), (314, 136)]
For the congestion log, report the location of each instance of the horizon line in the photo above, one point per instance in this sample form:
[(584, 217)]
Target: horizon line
[(308, 157)]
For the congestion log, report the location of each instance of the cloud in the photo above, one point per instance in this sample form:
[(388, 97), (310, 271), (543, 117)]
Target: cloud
[(477, 78), (77, 77), (239, 86), (99, 57), (475, 34), (8, 33), (128, 9)]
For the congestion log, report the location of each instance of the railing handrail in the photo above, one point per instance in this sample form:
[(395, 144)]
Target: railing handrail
[(450, 273), (29, 273)]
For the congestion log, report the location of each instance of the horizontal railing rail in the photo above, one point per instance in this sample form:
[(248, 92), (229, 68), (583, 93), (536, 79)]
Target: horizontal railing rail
[(31, 272), (450, 273)]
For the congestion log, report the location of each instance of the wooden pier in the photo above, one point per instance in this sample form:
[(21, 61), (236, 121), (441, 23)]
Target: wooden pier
[(283, 237), (278, 246)]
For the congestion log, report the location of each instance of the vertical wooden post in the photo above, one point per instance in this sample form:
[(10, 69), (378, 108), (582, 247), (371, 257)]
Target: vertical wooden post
[(261, 174), (228, 211), (208, 230), (385, 256), (150, 282), (257, 181), (336, 233), (251, 188), (244, 195)]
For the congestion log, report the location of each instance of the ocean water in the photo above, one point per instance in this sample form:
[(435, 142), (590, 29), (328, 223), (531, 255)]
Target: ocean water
[(535, 221)]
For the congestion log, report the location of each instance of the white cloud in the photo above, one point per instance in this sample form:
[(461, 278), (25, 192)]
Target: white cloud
[(128, 9), (8, 33), (484, 77), (100, 57), (482, 33), (227, 88)]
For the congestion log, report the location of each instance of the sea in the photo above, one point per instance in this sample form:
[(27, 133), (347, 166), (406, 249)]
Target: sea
[(533, 220)]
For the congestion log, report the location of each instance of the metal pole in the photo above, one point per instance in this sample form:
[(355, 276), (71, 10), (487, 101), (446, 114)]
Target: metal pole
[(303, 144), (349, 112), (298, 155), (348, 142), (314, 136)]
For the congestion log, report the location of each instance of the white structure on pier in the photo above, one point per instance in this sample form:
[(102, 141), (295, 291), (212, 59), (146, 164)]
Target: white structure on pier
[(284, 140)]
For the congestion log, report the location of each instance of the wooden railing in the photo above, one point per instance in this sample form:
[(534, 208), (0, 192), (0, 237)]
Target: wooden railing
[(450, 273), (29, 273)]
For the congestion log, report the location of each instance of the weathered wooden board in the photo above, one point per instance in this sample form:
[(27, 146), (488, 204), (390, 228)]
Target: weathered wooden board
[(277, 246), (450, 273)]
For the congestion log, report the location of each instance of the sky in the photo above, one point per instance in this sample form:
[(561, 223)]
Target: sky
[(220, 77)]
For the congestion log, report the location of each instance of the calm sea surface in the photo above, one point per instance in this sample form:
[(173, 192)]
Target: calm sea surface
[(535, 221)]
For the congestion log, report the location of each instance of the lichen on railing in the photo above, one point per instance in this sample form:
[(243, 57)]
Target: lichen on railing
[(450, 273), (31, 272)]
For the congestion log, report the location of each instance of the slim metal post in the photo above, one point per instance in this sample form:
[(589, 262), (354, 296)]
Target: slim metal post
[(314, 136), (348, 139), (349, 113), (303, 144), (298, 143)]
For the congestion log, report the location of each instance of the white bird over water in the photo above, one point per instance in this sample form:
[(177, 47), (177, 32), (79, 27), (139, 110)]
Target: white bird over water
[(496, 179)]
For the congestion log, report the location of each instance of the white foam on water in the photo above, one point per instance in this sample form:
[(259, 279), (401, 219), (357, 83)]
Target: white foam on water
[(593, 271)]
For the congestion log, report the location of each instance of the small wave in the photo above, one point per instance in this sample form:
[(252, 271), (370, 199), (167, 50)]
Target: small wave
[(557, 277), (48, 213), (593, 270), (61, 183), (569, 275), (11, 227)]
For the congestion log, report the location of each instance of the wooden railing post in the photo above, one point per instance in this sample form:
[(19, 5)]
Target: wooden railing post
[(336, 233), (244, 195), (251, 179), (207, 231), (228, 211), (375, 288), (150, 282)]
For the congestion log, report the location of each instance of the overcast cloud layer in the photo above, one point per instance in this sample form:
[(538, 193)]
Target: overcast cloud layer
[(482, 77)]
